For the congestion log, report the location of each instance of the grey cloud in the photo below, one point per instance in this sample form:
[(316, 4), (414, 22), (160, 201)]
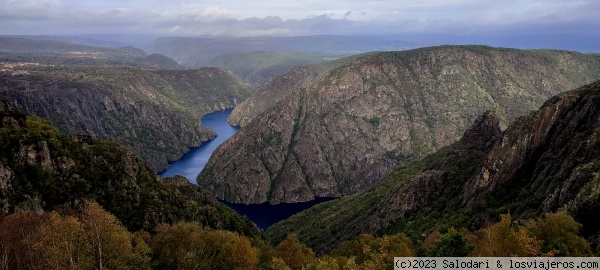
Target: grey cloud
[(425, 16)]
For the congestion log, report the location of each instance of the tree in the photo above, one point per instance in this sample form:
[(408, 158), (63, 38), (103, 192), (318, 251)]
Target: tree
[(188, 246), (451, 244), (18, 233), (559, 234), (112, 245), (295, 254), (431, 239), (370, 252), (63, 245), (278, 264), (503, 240), (172, 242)]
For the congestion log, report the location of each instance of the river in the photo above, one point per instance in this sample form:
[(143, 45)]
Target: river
[(192, 163)]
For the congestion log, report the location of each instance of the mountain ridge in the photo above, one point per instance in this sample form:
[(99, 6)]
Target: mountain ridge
[(340, 132), (547, 162)]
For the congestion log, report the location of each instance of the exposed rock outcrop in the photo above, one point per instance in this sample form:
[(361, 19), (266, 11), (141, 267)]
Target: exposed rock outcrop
[(346, 128), (545, 162), (154, 112), (549, 158), (278, 89)]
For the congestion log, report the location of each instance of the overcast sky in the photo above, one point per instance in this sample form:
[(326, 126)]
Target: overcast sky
[(297, 17)]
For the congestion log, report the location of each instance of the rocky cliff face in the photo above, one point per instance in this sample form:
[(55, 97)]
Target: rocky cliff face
[(548, 159), (278, 89), (345, 130), (42, 169), (544, 162), (154, 112)]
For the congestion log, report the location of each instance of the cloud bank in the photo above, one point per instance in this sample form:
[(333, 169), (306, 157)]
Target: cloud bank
[(297, 17)]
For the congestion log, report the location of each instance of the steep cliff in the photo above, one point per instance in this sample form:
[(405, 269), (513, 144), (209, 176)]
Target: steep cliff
[(278, 89), (544, 162), (154, 112), (42, 169), (341, 131)]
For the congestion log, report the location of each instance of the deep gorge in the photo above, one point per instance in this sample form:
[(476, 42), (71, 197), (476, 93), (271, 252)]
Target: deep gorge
[(192, 163)]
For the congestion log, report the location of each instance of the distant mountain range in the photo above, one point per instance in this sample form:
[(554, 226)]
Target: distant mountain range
[(72, 51), (259, 59)]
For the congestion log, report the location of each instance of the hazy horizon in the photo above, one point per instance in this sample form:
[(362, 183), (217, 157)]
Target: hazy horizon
[(521, 24)]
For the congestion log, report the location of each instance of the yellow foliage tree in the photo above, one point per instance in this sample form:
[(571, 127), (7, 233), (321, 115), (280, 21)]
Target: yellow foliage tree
[(63, 245), (559, 234), (503, 240), (294, 253), (370, 252), (171, 243), (112, 245), (188, 246), (278, 264)]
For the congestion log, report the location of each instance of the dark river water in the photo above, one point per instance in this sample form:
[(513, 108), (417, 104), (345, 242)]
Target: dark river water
[(192, 163)]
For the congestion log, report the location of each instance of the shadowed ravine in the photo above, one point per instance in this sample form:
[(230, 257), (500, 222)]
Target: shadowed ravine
[(192, 163)]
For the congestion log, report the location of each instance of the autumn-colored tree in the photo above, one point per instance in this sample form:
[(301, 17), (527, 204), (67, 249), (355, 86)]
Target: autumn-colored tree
[(399, 246), (503, 240), (469, 236), (266, 252), (380, 252), (112, 245), (326, 263), (559, 234), (370, 252), (171, 244), (278, 264), (431, 239), (294, 253), (63, 245), (227, 250), (348, 248), (188, 246), (18, 232), (139, 258), (355, 248)]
